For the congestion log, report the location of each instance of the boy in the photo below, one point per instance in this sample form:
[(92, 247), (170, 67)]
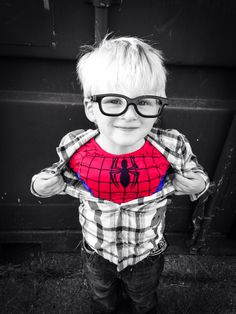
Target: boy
[(123, 173)]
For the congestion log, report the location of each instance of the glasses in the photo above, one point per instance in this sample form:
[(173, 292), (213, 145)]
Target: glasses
[(114, 105)]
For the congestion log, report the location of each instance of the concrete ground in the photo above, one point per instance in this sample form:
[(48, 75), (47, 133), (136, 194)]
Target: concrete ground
[(55, 283)]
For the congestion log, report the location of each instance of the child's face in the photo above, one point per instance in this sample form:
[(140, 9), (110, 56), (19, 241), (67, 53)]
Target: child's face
[(124, 133)]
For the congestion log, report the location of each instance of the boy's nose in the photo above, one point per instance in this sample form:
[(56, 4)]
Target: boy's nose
[(130, 113)]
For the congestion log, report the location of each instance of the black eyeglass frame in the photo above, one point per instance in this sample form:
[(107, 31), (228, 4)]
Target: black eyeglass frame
[(130, 101)]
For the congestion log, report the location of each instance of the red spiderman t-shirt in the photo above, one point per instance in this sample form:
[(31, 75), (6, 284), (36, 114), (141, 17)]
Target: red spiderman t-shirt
[(119, 178)]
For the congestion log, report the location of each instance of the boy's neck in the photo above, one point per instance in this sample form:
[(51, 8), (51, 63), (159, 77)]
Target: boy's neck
[(115, 149)]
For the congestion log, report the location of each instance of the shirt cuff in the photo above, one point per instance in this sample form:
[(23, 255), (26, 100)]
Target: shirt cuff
[(194, 197)]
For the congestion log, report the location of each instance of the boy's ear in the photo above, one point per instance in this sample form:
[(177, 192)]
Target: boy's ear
[(88, 107)]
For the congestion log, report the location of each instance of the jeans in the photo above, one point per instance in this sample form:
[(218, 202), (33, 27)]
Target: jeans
[(136, 284)]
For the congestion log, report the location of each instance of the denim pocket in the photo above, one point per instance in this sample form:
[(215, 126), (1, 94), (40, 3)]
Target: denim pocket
[(152, 259)]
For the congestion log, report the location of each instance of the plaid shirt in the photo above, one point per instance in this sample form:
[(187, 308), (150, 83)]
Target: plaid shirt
[(125, 233)]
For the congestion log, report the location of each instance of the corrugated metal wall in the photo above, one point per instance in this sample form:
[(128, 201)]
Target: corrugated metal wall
[(40, 101)]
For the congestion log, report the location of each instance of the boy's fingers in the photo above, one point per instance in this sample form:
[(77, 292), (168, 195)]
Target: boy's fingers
[(51, 180), (46, 175), (179, 179), (179, 193), (190, 175), (179, 186), (184, 179)]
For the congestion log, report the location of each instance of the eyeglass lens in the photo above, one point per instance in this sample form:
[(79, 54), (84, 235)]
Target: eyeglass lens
[(116, 105)]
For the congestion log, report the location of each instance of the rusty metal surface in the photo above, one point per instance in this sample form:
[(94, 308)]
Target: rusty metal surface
[(189, 32)]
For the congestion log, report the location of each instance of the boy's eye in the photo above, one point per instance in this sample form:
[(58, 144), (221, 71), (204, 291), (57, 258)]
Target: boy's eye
[(145, 102), (142, 103), (114, 101)]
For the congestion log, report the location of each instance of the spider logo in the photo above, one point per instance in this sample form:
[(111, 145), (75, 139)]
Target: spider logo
[(124, 173)]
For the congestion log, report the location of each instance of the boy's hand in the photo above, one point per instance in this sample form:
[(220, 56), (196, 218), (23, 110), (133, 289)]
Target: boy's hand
[(47, 184), (190, 183)]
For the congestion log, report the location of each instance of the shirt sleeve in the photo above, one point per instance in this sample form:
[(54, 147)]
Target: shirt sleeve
[(52, 170), (190, 163), (60, 168)]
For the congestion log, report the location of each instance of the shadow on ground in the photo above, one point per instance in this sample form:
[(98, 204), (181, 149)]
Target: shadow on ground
[(55, 283)]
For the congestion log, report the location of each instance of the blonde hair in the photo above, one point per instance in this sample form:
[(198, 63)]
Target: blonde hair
[(122, 61)]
